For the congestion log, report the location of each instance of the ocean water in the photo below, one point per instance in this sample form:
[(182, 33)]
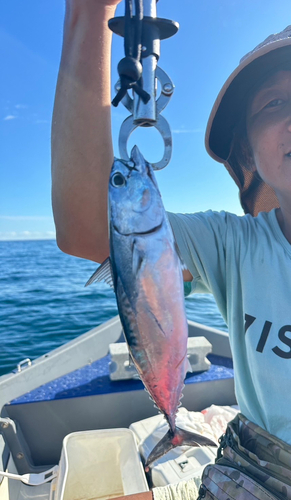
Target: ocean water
[(44, 303)]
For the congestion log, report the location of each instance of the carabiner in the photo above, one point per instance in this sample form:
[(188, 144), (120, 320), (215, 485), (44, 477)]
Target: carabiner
[(161, 124)]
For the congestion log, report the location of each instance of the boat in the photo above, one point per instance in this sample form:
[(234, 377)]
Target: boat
[(75, 422), (74, 390)]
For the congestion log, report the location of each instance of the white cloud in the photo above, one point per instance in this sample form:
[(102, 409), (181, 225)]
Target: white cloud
[(187, 131), (9, 117), (21, 106), (27, 235), (26, 217)]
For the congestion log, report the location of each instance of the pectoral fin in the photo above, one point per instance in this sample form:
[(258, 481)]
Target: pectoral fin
[(103, 273)]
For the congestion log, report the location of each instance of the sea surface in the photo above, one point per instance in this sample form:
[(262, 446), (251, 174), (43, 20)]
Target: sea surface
[(44, 303)]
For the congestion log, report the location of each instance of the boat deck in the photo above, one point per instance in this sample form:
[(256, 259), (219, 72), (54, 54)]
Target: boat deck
[(94, 380), (69, 391)]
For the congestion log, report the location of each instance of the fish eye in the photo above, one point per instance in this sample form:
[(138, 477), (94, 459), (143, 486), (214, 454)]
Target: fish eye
[(117, 180)]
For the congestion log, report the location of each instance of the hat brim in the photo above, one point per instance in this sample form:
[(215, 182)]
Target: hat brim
[(233, 95)]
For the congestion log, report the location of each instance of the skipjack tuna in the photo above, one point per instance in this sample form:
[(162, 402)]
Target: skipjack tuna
[(147, 278)]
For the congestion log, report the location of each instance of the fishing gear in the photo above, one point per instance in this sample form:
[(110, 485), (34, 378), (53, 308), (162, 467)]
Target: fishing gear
[(130, 68), (138, 71)]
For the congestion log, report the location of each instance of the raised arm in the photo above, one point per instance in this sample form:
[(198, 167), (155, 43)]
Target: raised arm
[(82, 152)]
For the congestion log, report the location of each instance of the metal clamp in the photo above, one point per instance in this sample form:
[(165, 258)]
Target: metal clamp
[(144, 112), (167, 87), (135, 120)]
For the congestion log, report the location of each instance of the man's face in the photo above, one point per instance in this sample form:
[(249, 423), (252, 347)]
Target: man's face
[(269, 131)]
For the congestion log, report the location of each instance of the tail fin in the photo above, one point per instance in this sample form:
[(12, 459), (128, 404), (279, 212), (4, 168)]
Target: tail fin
[(177, 438)]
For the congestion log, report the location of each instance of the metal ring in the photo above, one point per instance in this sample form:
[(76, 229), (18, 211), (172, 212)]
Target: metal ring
[(128, 126), (167, 89)]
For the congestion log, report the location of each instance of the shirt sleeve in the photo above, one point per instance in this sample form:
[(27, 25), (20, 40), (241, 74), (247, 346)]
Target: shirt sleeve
[(201, 239)]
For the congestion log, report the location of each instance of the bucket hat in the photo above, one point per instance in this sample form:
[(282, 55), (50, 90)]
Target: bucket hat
[(255, 195)]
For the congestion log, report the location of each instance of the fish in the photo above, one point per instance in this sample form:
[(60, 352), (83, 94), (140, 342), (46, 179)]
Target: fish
[(146, 272)]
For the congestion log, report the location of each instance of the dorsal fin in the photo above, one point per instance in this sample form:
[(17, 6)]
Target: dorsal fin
[(103, 273)]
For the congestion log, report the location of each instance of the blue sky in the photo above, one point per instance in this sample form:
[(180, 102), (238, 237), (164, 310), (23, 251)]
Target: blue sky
[(213, 35)]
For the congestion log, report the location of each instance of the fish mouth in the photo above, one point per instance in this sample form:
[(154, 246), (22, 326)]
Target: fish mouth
[(140, 233)]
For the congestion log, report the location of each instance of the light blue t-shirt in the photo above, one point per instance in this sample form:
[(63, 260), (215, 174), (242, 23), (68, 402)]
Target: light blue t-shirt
[(245, 262)]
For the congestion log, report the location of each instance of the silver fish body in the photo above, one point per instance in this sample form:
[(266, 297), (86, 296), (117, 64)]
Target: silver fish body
[(148, 283)]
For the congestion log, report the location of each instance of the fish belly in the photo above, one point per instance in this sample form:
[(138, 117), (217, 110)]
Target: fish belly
[(150, 298), (161, 356)]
